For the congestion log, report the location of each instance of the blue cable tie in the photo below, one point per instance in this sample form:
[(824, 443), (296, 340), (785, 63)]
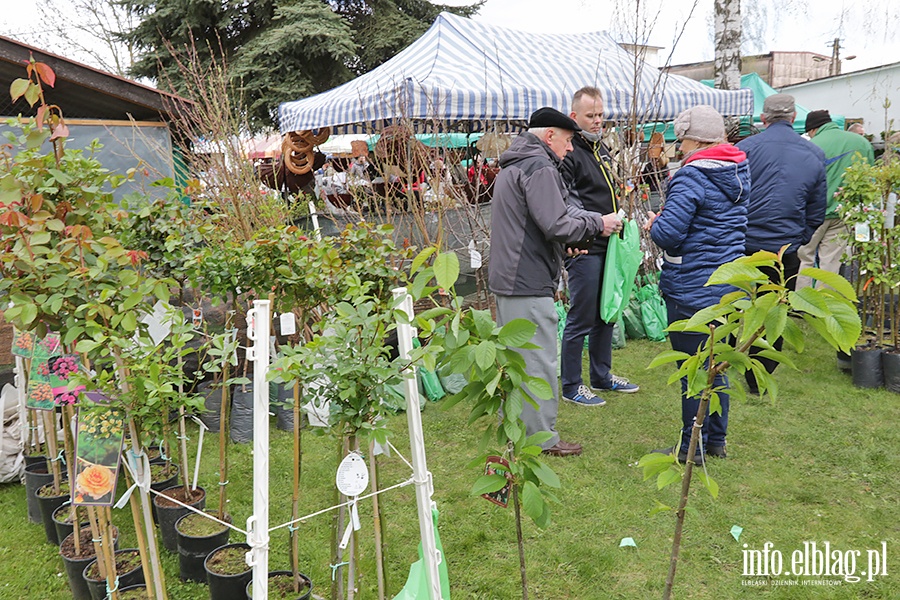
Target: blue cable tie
[(114, 588), (292, 529), (334, 569), (223, 482)]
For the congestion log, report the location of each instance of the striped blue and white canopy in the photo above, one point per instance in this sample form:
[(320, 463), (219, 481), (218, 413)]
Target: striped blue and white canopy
[(463, 70)]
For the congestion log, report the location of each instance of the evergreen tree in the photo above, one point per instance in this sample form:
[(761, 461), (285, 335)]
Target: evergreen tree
[(276, 50)]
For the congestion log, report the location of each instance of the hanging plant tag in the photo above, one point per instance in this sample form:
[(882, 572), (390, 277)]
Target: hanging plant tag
[(158, 324), (39, 393), (352, 475), (196, 318), (474, 256), (862, 232), (98, 448), (61, 369), (23, 343), (287, 323), (497, 465), (47, 346)]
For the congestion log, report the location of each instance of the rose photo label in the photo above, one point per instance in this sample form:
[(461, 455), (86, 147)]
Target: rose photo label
[(98, 449)]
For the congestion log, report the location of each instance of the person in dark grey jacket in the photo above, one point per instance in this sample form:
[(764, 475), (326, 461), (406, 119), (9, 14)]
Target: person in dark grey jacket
[(530, 226), (787, 202)]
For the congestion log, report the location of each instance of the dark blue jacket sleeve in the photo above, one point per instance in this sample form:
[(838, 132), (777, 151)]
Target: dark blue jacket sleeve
[(672, 225)]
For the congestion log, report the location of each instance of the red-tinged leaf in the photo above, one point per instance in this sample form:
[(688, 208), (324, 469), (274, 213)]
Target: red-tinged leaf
[(45, 73), (36, 202), (17, 88), (39, 118), (61, 131)]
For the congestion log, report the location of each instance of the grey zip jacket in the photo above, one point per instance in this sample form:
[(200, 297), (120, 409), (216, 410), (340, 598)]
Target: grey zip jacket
[(530, 222)]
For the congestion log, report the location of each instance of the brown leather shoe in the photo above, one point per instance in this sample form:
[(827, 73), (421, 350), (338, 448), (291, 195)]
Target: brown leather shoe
[(563, 449)]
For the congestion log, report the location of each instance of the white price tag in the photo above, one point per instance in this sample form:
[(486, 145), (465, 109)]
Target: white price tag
[(352, 475), (474, 256), (862, 232), (287, 323)]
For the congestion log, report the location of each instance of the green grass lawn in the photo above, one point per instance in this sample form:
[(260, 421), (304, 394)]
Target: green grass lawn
[(820, 465)]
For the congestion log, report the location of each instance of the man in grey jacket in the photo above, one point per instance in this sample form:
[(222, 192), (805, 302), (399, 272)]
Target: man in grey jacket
[(530, 226)]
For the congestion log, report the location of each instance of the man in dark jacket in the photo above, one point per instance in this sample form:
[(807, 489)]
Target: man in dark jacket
[(787, 201), (530, 225), (587, 170)]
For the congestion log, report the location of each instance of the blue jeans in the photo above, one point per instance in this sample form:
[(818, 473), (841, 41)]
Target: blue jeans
[(715, 425), (585, 279)]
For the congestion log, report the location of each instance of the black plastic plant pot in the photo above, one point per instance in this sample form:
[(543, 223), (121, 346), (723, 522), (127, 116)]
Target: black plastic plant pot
[(284, 408), (867, 370), (890, 363), (134, 592), (242, 415), (35, 459), (48, 505), (844, 362), (75, 564), (286, 579), (212, 406), (163, 484), (168, 513), (193, 549), (132, 577), (62, 523), (227, 586), (36, 476)]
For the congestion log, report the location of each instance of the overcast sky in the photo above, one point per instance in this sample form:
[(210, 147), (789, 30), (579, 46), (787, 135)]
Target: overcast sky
[(799, 25)]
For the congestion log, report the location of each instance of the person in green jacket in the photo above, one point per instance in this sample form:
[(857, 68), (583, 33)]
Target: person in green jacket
[(842, 149)]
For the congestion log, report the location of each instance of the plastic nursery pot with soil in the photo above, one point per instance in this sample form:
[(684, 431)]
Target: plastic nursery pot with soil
[(196, 537), (866, 366), (37, 475), (163, 475), (35, 459), (281, 586), (227, 572), (62, 521), (169, 512), (134, 592), (75, 564), (128, 570), (242, 414), (49, 501), (890, 364)]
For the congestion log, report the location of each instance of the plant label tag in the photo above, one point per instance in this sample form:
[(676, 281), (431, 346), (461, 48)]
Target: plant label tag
[(352, 475), (497, 465), (196, 318), (287, 323), (158, 324), (474, 256), (862, 232)]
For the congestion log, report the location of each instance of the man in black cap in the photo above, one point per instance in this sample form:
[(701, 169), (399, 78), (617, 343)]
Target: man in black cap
[(530, 227), (787, 199), (842, 149)]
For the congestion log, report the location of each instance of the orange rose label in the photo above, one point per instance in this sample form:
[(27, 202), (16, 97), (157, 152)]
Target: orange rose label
[(95, 481)]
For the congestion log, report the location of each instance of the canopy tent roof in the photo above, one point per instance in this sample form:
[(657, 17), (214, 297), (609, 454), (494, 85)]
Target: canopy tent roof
[(463, 70)]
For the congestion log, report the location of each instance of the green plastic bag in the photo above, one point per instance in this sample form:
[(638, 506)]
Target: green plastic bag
[(430, 381), (631, 318), (623, 257), (653, 310), (618, 336)]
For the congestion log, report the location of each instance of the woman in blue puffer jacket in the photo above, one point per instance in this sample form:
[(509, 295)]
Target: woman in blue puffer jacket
[(701, 228)]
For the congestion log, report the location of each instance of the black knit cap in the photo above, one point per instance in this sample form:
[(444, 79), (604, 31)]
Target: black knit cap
[(816, 119), (550, 117)]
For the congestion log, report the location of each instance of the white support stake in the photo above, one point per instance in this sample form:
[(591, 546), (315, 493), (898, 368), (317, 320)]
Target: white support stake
[(199, 452), (23, 411), (259, 320), (315, 220), (417, 445)]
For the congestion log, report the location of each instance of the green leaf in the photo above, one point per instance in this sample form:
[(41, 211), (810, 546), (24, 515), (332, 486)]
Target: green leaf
[(532, 501), (707, 315), (484, 323), (33, 94), (485, 353), (660, 507), (29, 313), (668, 477), (488, 484), (778, 357), (517, 332), (833, 280), (753, 320), (734, 273), (775, 322), (545, 474), (809, 301), (17, 88), (538, 439), (446, 269), (667, 356), (131, 301), (709, 482), (512, 407), (420, 259), (540, 388), (793, 335)]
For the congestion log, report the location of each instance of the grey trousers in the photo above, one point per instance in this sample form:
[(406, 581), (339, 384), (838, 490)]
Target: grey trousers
[(538, 363), (827, 242)]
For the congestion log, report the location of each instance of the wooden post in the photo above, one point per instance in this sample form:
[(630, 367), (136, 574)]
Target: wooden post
[(49, 417)]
